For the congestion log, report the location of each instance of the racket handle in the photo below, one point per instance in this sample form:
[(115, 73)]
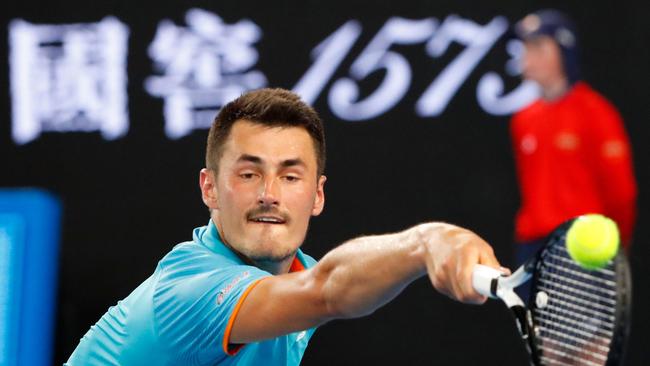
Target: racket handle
[(485, 280)]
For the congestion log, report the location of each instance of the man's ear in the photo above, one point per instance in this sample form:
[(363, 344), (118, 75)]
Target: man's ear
[(208, 185), (319, 200)]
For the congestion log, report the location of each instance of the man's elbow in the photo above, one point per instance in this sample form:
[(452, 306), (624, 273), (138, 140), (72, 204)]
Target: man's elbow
[(335, 297)]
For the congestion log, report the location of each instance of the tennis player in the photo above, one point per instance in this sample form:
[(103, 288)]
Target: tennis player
[(241, 292)]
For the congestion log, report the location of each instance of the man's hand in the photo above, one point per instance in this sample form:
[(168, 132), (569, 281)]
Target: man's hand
[(451, 254)]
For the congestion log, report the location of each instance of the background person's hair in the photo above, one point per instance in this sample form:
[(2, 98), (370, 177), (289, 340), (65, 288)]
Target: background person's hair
[(559, 27), (268, 107)]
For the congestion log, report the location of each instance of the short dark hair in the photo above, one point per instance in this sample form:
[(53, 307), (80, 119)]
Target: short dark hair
[(269, 107), (561, 29)]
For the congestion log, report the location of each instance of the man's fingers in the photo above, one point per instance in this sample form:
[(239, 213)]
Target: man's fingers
[(451, 265), (481, 253), (465, 273), (487, 257)]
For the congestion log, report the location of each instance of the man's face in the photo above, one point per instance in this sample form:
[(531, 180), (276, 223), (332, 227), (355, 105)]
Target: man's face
[(266, 190), (542, 61)]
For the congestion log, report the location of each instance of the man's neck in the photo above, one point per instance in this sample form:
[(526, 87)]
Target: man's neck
[(555, 90), (274, 267)]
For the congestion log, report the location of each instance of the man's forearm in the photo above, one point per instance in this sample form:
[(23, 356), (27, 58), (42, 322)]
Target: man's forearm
[(364, 273)]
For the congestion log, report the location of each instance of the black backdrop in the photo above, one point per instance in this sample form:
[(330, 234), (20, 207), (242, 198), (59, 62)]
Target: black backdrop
[(128, 201)]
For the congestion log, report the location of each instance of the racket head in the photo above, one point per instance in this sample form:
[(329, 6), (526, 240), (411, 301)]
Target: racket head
[(579, 316)]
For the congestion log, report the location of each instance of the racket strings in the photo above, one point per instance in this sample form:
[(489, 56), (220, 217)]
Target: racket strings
[(574, 309)]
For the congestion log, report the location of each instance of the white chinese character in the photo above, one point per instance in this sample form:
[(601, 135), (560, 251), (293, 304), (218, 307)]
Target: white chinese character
[(68, 77), (203, 66)]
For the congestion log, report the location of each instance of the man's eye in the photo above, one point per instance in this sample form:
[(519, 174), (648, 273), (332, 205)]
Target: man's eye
[(291, 178), (247, 176)]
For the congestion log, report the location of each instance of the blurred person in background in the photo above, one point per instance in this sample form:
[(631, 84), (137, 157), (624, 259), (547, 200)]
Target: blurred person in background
[(571, 150)]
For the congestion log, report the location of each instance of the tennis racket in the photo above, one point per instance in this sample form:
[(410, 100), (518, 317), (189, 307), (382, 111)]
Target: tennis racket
[(575, 316)]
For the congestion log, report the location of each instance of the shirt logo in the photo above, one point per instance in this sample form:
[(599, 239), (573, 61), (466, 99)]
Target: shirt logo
[(528, 144), (221, 295), (613, 149), (301, 335), (567, 141)]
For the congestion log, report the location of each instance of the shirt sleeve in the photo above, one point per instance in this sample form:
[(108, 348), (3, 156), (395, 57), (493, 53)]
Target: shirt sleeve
[(194, 312), (612, 155)]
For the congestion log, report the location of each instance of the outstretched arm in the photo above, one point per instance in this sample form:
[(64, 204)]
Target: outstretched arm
[(360, 276)]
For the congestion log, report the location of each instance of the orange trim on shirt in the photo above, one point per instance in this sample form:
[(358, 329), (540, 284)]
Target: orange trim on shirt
[(231, 351), (296, 265)]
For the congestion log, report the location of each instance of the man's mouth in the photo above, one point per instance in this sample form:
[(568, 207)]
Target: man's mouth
[(265, 219)]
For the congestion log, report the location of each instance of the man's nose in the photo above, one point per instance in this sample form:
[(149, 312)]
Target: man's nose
[(269, 192)]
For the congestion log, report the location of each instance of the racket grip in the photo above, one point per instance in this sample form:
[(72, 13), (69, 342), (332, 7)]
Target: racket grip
[(484, 280)]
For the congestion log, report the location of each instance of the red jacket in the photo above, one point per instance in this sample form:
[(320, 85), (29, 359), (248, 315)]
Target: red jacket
[(573, 157)]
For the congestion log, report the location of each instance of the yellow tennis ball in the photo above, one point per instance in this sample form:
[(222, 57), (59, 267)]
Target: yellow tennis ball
[(592, 241)]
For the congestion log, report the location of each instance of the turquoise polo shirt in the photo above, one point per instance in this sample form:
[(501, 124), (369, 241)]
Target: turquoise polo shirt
[(181, 315)]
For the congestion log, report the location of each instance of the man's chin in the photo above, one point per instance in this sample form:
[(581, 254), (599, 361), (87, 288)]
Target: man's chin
[(272, 250)]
